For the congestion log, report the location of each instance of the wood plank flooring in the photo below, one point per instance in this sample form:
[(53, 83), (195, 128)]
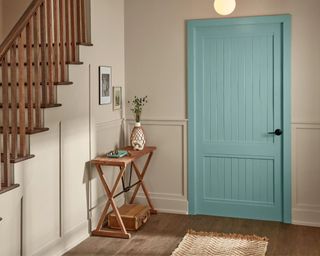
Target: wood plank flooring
[(163, 232)]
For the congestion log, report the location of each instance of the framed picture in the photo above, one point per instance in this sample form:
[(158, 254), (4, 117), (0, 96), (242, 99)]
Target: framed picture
[(117, 98), (105, 84)]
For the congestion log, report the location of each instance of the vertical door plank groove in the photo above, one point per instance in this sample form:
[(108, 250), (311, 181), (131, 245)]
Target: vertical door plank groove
[(29, 76), (14, 125), (5, 120), (22, 124), (50, 65), (37, 96)]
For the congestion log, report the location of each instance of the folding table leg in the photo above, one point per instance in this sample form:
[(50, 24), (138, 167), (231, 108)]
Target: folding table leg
[(99, 231), (140, 176)]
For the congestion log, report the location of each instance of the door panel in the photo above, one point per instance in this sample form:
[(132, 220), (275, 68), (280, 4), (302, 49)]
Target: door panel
[(237, 86), (233, 179)]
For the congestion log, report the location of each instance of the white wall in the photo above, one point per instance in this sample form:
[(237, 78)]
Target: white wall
[(156, 66), (54, 201), (12, 11)]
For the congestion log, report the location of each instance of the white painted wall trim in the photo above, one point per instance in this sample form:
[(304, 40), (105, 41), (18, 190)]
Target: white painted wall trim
[(109, 124), (306, 217), (309, 123), (166, 205), (159, 121)]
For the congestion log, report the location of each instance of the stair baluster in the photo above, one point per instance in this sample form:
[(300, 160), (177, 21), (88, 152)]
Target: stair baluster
[(33, 60), (73, 31), (22, 118), (83, 22), (62, 52), (49, 37), (14, 116), (56, 40), (29, 76), (67, 13), (5, 117), (37, 89)]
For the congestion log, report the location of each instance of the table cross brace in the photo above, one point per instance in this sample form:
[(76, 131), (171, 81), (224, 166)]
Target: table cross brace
[(140, 176)]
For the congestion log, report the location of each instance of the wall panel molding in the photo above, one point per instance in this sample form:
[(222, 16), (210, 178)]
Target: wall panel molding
[(109, 124), (307, 123), (305, 145), (170, 202)]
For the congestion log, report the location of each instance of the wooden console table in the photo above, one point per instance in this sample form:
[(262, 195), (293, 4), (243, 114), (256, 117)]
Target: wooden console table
[(122, 163)]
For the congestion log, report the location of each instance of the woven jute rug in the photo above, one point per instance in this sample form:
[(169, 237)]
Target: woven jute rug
[(204, 243)]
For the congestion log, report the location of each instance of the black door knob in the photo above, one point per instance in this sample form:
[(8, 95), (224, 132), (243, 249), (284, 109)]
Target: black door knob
[(277, 132)]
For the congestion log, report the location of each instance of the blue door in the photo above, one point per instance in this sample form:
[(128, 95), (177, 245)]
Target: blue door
[(237, 117)]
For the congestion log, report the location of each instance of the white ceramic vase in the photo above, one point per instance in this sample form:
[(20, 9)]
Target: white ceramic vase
[(137, 138)]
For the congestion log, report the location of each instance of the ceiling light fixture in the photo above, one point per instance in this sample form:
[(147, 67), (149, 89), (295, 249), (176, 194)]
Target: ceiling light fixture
[(224, 7)]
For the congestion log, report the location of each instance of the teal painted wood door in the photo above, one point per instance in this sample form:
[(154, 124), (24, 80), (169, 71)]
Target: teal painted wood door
[(236, 101)]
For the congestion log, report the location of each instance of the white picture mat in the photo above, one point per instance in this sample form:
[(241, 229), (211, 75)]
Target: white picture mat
[(105, 85)]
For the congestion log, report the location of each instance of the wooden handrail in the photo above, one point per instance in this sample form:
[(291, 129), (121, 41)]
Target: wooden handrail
[(18, 28)]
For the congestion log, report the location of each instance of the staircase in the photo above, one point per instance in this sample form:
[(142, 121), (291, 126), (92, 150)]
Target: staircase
[(34, 61)]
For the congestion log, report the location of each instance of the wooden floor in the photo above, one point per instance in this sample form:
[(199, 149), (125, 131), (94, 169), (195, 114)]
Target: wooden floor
[(163, 232)]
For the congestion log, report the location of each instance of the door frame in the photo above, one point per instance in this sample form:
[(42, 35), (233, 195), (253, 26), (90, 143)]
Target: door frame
[(285, 21)]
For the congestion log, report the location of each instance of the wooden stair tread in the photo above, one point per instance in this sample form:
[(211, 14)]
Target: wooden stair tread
[(53, 44), (54, 105), (28, 131), (74, 63), (55, 83), (18, 159), (85, 44), (47, 63), (6, 189), (64, 83)]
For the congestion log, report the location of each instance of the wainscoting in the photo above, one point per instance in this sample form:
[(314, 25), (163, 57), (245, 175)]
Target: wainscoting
[(166, 178), (103, 137), (306, 173)]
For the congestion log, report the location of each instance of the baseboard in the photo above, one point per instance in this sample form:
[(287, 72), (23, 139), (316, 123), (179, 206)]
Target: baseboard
[(306, 223), (306, 217), (166, 205), (66, 243)]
